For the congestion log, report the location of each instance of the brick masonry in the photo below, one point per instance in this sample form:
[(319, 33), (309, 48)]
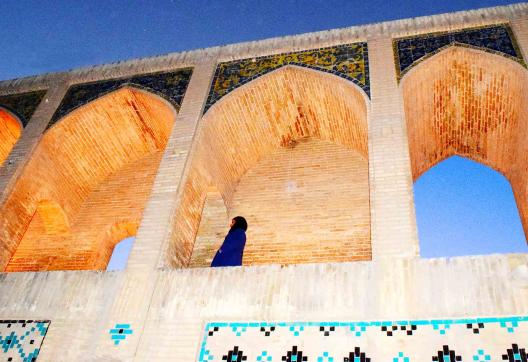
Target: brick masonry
[(196, 170)]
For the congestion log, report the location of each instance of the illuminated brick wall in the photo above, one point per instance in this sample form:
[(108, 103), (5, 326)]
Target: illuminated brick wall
[(86, 184), (256, 126), (473, 104)]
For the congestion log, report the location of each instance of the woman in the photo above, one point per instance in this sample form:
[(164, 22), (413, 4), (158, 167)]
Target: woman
[(230, 253)]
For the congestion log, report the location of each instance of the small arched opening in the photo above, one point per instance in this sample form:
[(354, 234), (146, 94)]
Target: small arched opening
[(118, 242), (271, 149), (469, 103)]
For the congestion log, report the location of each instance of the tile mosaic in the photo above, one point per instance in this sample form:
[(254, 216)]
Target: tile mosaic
[(120, 332), (170, 85), (23, 105), (408, 341), (498, 39), (21, 340), (348, 61)]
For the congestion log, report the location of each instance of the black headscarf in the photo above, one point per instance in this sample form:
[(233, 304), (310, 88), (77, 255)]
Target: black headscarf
[(240, 223)]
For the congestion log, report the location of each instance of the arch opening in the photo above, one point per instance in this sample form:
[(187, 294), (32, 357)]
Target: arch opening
[(10, 131), (118, 242), (98, 163), (271, 126), (474, 211), (469, 103)]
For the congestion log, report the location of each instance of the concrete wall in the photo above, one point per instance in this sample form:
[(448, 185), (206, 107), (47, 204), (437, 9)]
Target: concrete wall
[(78, 303), (167, 308)]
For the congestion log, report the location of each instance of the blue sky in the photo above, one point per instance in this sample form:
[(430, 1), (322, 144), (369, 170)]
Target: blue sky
[(44, 36)]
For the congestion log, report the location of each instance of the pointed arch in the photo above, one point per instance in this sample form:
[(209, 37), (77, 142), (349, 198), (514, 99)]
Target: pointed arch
[(10, 131), (115, 234), (275, 111), (474, 211), (470, 103), (98, 163)]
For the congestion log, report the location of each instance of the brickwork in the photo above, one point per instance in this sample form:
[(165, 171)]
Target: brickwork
[(110, 213), (473, 104), (392, 207), (325, 183), (214, 224), (72, 160), (276, 110), (10, 129), (237, 158)]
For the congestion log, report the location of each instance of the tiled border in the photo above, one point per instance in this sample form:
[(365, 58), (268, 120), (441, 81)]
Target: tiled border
[(22, 105), (170, 85), (348, 61), (21, 340), (440, 334), (496, 39)]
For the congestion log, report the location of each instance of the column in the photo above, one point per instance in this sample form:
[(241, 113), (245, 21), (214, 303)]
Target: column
[(393, 221)]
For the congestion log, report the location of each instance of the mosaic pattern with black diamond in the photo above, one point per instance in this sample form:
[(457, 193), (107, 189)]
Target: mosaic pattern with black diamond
[(480, 339), (21, 340), (497, 39), (22, 105), (170, 85), (348, 61)]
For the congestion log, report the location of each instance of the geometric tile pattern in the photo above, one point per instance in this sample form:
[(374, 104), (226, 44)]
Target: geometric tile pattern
[(497, 39), (445, 340), (120, 332), (170, 85), (348, 61), (23, 105), (21, 340)]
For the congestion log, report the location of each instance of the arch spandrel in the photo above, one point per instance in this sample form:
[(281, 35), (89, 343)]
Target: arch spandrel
[(348, 61), (495, 39), (106, 147), (473, 104), (274, 111), (170, 85)]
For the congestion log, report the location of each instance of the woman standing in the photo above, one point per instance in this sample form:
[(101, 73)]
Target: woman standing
[(231, 251)]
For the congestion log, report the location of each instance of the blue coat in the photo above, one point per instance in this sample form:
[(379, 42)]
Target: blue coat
[(231, 251)]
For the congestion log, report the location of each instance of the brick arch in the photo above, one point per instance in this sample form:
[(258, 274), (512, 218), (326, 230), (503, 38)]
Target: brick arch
[(98, 163), (10, 130), (473, 104), (276, 110)]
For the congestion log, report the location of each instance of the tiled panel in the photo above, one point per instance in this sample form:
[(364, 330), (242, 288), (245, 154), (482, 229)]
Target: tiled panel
[(169, 85), (348, 61), (474, 339), (496, 39), (23, 105), (21, 340)]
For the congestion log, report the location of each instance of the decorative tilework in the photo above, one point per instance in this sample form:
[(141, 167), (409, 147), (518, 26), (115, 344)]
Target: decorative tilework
[(169, 85), (120, 332), (349, 61), (481, 356), (21, 340), (401, 358), (496, 39), (408, 341), (23, 105)]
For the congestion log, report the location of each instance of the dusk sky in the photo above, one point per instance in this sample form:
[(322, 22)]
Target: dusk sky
[(462, 208)]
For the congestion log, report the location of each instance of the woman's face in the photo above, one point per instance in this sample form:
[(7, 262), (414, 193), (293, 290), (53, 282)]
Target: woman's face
[(232, 223)]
